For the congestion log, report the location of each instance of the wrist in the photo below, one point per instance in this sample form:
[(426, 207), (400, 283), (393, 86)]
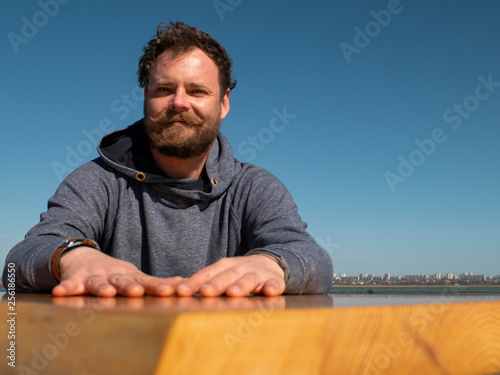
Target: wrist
[(65, 248), (281, 261)]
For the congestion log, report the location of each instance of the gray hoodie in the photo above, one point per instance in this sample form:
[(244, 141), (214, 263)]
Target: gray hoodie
[(171, 227)]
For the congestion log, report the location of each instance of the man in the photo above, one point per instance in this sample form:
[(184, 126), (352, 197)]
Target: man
[(166, 208)]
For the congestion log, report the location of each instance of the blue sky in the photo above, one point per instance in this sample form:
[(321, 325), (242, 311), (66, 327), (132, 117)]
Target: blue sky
[(381, 117)]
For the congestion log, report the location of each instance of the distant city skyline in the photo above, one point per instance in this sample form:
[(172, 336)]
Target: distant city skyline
[(442, 279), (466, 273)]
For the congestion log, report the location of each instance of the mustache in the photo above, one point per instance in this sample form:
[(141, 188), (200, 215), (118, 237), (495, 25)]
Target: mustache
[(165, 118)]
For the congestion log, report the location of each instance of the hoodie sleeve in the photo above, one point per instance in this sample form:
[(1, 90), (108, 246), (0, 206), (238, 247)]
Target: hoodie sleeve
[(77, 210), (270, 222)]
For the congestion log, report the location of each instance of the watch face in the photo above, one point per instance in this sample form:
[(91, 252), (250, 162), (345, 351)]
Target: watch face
[(71, 243)]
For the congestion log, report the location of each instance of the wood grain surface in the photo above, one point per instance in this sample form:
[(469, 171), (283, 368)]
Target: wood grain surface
[(252, 335)]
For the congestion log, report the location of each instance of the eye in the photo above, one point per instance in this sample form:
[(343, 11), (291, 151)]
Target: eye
[(163, 89), (198, 92)]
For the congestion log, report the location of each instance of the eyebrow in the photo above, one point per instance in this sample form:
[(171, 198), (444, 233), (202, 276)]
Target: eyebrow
[(198, 85), (160, 83), (190, 84)]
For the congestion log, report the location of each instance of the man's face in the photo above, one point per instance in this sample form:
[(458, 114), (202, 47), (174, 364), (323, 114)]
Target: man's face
[(182, 104)]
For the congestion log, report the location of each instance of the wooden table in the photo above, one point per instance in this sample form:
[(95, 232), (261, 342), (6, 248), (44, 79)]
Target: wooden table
[(314, 334)]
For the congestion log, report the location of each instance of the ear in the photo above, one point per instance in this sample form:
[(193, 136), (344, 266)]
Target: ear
[(225, 105)]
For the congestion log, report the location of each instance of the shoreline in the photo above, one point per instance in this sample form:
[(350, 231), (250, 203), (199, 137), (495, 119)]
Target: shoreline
[(415, 286), (416, 289)]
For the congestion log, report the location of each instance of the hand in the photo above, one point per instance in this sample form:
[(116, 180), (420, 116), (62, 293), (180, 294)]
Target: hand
[(85, 270), (237, 277)]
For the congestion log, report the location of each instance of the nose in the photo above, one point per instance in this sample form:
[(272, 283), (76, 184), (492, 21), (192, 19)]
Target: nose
[(179, 101)]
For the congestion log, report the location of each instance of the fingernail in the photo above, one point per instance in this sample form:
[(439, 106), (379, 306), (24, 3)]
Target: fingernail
[(183, 288), (272, 290), (234, 288), (206, 288), (165, 289)]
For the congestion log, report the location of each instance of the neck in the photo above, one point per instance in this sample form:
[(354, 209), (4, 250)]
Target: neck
[(180, 168)]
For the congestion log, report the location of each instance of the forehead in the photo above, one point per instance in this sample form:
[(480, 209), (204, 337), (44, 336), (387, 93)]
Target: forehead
[(194, 65)]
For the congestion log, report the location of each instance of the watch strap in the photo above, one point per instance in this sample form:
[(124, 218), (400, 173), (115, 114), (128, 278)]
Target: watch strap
[(66, 247), (278, 258)]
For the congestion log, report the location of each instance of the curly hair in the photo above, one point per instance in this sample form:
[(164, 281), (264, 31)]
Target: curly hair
[(180, 38)]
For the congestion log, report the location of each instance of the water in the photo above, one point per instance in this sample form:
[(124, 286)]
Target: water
[(377, 295), (395, 289)]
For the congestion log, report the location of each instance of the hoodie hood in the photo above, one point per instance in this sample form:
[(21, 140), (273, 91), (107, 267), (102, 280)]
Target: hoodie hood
[(127, 151)]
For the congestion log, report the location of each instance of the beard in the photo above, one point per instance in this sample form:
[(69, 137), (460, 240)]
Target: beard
[(183, 142)]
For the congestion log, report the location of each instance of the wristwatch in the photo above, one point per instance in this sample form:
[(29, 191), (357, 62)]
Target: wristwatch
[(64, 249), (278, 258)]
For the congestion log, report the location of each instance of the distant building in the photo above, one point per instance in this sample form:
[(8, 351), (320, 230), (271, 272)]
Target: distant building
[(415, 278), (466, 278)]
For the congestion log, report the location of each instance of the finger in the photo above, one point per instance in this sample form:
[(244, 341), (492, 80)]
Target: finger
[(273, 287), (248, 283), (155, 286), (218, 285), (192, 285), (69, 287), (138, 285), (126, 286), (99, 286)]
